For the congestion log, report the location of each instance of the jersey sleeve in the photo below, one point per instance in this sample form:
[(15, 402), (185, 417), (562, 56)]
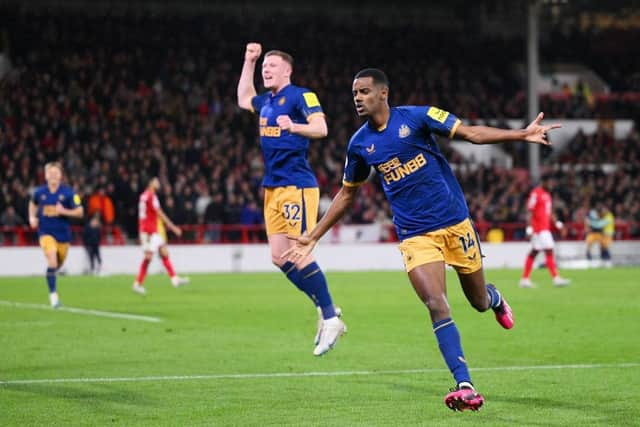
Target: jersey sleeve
[(70, 198), (73, 200), (309, 104), (35, 196), (356, 169), (438, 121), (257, 102)]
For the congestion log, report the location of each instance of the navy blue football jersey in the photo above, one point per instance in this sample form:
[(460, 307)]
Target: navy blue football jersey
[(421, 188), (49, 222), (285, 154)]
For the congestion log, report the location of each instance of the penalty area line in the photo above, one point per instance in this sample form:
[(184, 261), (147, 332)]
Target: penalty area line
[(310, 374), (84, 311)]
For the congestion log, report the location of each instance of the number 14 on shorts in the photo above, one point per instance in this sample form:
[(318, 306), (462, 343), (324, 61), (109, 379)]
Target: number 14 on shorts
[(467, 242)]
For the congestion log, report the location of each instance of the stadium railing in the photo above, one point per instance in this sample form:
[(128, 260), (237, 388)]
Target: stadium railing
[(515, 231), (247, 234), (26, 236)]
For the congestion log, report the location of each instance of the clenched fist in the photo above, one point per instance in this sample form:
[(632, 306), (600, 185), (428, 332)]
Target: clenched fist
[(253, 52), (286, 123)]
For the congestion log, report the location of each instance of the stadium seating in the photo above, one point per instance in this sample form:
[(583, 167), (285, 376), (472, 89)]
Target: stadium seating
[(122, 98)]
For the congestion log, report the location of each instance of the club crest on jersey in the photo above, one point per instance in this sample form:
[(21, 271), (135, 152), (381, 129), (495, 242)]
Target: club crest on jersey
[(404, 131), (61, 197), (43, 197), (372, 149), (282, 100)]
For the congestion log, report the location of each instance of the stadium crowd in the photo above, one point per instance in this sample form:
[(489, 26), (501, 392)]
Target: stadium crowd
[(120, 99)]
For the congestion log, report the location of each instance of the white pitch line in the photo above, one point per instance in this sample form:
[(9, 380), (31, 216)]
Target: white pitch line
[(84, 311), (310, 374)]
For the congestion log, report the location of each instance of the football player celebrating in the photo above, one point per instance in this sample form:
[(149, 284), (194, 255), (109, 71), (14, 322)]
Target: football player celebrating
[(289, 117), (430, 212)]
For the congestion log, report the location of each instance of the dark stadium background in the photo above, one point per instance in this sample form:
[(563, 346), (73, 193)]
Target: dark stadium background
[(122, 91)]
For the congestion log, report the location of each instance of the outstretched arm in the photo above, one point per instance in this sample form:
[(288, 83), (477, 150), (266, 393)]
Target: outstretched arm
[(534, 133), (246, 89), (305, 244)]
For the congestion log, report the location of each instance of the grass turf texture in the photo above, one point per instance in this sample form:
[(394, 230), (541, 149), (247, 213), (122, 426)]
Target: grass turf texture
[(260, 324)]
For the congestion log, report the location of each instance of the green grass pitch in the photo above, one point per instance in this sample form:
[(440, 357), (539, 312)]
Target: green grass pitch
[(235, 349)]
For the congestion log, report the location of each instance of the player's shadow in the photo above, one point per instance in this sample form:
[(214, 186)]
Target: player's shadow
[(425, 389), (399, 386), (599, 416), (104, 392)]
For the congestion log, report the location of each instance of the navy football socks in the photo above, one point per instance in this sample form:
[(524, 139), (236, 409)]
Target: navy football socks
[(313, 281), (494, 296), (293, 274), (451, 348), (51, 279)]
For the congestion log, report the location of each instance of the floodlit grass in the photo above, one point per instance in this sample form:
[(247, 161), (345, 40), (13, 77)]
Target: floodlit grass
[(573, 358)]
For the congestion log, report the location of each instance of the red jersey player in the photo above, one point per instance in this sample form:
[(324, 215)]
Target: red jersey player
[(539, 218), (150, 226)]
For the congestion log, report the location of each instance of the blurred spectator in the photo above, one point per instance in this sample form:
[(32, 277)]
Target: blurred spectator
[(91, 236), (232, 214), (203, 200), (100, 203), (251, 215), (10, 218), (214, 216)]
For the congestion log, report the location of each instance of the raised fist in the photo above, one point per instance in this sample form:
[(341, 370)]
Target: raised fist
[(286, 123), (253, 52)]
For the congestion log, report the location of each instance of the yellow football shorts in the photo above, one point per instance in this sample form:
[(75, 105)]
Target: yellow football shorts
[(290, 210), (600, 238), (50, 244), (162, 231), (456, 245)]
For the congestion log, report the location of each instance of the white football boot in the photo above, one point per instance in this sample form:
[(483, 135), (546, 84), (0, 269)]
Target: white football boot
[(54, 300), (139, 289), (560, 281), (332, 329), (178, 281), (316, 339), (525, 282)]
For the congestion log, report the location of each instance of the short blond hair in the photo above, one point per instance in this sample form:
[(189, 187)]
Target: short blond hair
[(53, 165)]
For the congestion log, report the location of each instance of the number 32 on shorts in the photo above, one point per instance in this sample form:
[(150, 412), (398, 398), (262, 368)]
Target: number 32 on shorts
[(292, 212)]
